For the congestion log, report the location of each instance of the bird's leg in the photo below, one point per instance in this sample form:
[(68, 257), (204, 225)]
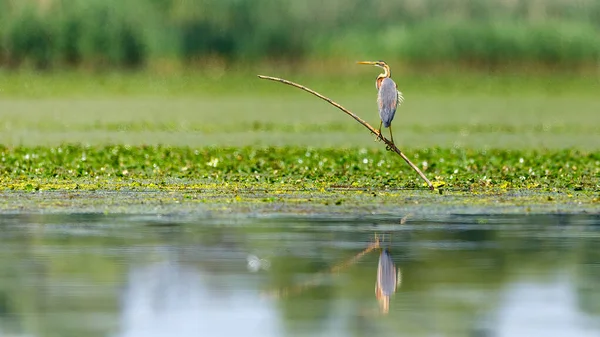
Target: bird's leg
[(391, 135), (379, 136)]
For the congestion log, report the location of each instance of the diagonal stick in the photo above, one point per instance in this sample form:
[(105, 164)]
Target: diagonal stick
[(389, 144)]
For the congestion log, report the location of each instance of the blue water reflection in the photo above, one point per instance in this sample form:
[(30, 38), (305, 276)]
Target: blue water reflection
[(125, 276), (170, 299)]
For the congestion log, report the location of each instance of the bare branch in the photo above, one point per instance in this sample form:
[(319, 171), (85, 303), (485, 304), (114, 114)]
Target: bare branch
[(389, 144)]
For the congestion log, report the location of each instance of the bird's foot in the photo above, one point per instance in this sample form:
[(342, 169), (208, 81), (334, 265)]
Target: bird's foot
[(391, 146)]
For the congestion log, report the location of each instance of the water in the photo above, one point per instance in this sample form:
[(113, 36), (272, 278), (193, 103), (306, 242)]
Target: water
[(147, 276)]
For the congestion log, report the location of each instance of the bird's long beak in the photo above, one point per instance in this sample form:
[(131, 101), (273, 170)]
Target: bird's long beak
[(367, 62)]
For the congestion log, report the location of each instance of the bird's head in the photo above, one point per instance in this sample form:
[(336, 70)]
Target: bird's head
[(380, 64)]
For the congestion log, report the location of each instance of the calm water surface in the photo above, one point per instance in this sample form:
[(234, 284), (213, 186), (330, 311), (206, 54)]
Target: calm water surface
[(147, 276)]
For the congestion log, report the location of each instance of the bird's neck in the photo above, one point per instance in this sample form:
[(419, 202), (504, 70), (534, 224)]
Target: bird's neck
[(387, 73)]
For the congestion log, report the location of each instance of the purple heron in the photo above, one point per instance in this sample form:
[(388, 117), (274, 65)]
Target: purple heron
[(388, 96)]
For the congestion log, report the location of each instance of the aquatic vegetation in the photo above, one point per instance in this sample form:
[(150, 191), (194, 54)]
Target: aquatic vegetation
[(294, 180), (166, 168)]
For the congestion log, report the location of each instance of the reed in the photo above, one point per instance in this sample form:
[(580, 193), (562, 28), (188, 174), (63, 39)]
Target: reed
[(127, 34)]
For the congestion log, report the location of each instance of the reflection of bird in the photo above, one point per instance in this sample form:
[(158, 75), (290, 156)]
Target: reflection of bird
[(388, 97), (387, 280)]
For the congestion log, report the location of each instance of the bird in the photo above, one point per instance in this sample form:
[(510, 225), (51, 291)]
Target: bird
[(388, 95), (389, 279)]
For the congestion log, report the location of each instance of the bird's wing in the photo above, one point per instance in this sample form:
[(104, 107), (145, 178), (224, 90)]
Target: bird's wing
[(400, 96)]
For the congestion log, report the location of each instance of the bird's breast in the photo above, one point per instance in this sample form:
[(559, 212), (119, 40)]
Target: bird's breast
[(378, 82)]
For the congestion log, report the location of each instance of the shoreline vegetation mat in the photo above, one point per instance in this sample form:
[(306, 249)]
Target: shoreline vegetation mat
[(295, 180)]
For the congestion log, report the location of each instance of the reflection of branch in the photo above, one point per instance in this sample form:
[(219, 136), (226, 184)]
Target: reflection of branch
[(358, 119), (316, 279)]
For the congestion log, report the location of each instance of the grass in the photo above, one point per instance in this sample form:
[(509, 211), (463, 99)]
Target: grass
[(332, 77), (449, 111), (462, 122)]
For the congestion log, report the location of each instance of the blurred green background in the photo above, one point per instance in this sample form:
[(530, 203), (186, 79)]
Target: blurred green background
[(133, 33), (475, 73)]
